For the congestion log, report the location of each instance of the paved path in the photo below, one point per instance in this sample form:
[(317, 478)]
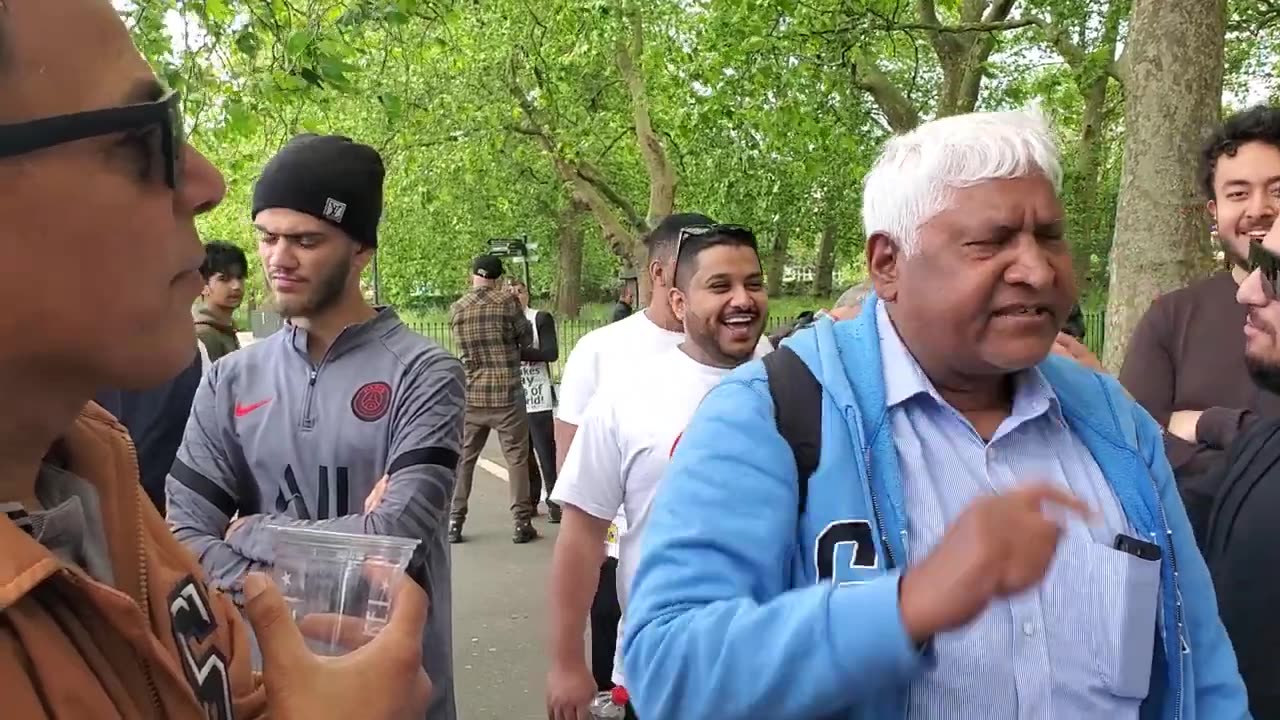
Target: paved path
[(499, 607)]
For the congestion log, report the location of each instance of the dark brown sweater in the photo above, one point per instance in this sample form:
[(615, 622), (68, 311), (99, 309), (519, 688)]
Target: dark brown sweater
[(1187, 353)]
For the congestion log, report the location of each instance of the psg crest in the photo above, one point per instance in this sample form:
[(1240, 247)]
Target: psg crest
[(371, 401)]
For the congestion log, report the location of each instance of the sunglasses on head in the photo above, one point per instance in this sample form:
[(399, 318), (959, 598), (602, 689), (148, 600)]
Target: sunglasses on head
[(1267, 263), (698, 231), (165, 114)]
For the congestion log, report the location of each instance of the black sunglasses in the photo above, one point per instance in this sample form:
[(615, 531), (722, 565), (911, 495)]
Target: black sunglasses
[(1268, 263), (166, 113), (697, 231)]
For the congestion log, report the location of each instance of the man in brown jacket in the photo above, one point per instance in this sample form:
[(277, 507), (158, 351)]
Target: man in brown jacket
[(102, 613), (491, 331)]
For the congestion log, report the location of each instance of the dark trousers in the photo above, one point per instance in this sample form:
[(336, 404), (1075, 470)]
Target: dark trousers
[(605, 616), (542, 455)]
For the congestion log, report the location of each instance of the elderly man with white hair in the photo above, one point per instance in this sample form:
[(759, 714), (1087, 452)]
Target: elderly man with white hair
[(988, 531)]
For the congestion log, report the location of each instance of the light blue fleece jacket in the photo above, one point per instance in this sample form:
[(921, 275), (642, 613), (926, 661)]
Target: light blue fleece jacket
[(727, 618)]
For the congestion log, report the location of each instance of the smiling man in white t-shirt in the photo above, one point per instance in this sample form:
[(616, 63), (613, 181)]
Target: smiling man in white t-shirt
[(626, 436), (613, 350)]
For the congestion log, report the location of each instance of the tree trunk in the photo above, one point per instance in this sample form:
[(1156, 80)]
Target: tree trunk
[(1173, 96), (963, 56), (826, 259), (658, 167), (644, 286), (1086, 182), (777, 267), (1093, 71), (569, 265), (620, 223)]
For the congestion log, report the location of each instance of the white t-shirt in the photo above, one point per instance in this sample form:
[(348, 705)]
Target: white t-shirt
[(622, 448), (620, 349), (611, 351)]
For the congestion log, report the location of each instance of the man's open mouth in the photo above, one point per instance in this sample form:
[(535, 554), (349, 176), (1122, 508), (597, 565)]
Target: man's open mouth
[(1025, 311)]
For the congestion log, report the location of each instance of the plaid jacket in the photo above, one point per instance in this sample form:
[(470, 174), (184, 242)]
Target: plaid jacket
[(490, 330)]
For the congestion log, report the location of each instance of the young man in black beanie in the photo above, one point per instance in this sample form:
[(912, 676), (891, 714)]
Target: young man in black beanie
[(299, 428)]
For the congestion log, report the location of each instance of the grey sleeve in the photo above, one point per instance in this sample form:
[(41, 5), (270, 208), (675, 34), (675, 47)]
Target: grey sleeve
[(201, 493), (426, 439)]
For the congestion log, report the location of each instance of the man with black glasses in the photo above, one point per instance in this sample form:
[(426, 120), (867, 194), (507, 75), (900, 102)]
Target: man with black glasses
[(1241, 539), (104, 613)]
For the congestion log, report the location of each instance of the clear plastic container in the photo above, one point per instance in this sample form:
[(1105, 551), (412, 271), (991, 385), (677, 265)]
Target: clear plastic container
[(338, 586), (610, 705)]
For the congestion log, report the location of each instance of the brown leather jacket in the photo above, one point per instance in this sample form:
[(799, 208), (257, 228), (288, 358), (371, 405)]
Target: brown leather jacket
[(157, 645)]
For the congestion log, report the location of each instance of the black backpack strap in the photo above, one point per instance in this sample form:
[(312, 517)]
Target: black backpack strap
[(797, 408)]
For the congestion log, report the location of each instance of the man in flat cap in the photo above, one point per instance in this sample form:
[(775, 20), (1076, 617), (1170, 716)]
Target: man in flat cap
[(490, 329), (344, 420)]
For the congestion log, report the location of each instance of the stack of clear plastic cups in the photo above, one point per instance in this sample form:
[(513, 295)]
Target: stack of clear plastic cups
[(339, 586)]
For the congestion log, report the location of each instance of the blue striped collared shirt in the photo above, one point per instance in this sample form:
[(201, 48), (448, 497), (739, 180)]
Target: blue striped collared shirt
[(1050, 653)]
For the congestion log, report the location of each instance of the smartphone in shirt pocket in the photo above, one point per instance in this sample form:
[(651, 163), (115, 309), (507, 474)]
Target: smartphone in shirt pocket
[(1131, 566)]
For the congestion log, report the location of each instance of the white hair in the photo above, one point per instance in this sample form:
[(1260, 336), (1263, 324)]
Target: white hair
[(916, 174)]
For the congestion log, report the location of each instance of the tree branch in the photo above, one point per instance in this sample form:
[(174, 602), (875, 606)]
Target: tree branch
[(998, 11), (1117, 11), (619, 239), (662, 177), (898, 110), (944, 44), (588, 172), (1056, 35), (609, 148), (980, 48), (1075, 56), (971, 27)]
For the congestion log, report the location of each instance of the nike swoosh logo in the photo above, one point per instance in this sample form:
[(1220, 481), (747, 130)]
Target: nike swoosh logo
[(242, 410)]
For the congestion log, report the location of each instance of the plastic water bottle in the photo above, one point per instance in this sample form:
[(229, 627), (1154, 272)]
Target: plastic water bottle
[(610, 705)]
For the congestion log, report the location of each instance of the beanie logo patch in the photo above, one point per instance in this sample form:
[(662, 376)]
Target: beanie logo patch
[(334, 210)]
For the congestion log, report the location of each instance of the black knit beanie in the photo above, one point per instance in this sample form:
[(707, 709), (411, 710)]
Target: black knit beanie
[(329, 177)]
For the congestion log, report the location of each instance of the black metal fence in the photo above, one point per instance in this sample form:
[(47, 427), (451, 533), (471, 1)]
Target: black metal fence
[(571, 330), (568, 333), (1095, 331)]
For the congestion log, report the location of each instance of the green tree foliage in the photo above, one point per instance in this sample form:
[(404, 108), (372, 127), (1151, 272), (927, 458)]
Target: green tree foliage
[(495, 116)]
